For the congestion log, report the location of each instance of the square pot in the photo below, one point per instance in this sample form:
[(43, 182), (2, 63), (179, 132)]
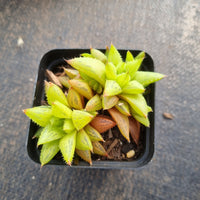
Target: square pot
[(55, 58)]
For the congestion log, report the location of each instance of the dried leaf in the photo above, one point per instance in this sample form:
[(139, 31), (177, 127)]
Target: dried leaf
[(113, 144), (168, 115), (53, 78), (122, 122), (134, 129), (67, 147), (102, 123)]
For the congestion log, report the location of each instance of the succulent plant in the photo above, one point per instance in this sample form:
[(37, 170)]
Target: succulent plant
[(120, 84), (72, 122)]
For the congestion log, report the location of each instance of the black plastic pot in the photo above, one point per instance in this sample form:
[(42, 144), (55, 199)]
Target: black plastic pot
[(55, 58)]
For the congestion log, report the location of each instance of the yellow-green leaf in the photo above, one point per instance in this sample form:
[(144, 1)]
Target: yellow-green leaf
[(122, 79), (129, 56), (40, 114), (48, 151), (55, 121), (91, 67), (85, 155), (81, 118), (137, 102), (123, 107), (111, 72), (71, 73), (60, 110), (74, 99), (64, 81), (86, 55), (133, 87), (114, 56), (67, 147), (54, 93), (68, 126), (94, 103), (140, 55), (82, 87), (122, 122), (98, 55), (83, 141), (99, 149), (111, 88), (109, 102), (121, 68), (38, 133), (146, 78), (133, 66), (93, 134), (49, 134)]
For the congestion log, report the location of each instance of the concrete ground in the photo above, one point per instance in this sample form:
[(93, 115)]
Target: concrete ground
[(168, 30)]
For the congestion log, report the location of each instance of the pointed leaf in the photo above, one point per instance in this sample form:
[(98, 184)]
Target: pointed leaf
[(50, 134), (109, 102), (149, 109), (123, 107), (137, 102), (60, 110), (94, 103), (83, 141), (112, 88), (87, 55), (40, 114), (98, 55), (85, 155), (64, 81), (38, 133), (67, 147), (133, 66), (102, 123), (142, 120), (54, 93), (99, 89), (146, 78), (107, 51), (111, 72), (140, 55), (55, 121), (82, 87), (68, 126), (114, 56), (81, 118), (48, 151), (133, 87), (134, 129), (129, 56), (122, 122), (90, 66), (123, 79), (71, 73), (74, 99), (121, 68), (53, 78), (99, 149), (93, 134)]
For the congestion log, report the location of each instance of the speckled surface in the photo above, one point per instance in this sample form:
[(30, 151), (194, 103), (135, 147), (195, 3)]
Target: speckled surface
[(168, 30)]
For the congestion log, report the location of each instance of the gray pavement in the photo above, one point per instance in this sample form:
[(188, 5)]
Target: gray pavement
[(168, 30)]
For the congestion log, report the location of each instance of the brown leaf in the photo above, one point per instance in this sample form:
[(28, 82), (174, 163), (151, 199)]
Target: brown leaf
[(114, 143), (53, 78), (102, 123), (168, 115), (134, 129), (122, 122)]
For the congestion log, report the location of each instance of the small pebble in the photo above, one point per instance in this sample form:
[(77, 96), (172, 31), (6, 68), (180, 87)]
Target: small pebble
[(33, 177), (20, 42), (130, 154)]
